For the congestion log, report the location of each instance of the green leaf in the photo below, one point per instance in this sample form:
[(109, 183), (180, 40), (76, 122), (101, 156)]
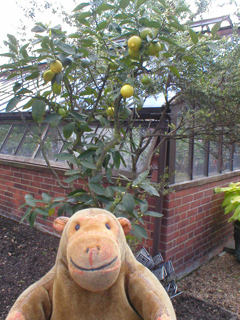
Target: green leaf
[(77, 116), (139, 231), (26, 214), (153, 214), (65, 156), (150, 24), (174, 70), (177, 26), (46, 197), (59, 199), (68, 130), (38, 109), (163, 3), (141, 177), (84, 22), (102, 25), (128, 202), (17, 86), (96, 188), (124, 3), (168, 40), (193, 36), (76, 192), (65, 47), (8, 55), (215, 28), (12, 104), (72, 178), (41, 211), (189, 59), (23, 91), (84, 15), (97, 178), (116, 159), (71, 172), (88, 164), (38, 29), (12, 39), (236, 215), (140, 2), (52, 118), (13, 47), (23, 51), (32, 217), (33, 75), (180, 9), (86, 154), (56, 88), (150, 189), (104, 7), (81, 6)]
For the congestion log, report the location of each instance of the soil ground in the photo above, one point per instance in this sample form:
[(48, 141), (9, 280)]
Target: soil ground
[(27, 254)]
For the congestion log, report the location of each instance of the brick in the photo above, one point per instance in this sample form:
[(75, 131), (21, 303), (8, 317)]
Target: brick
[(184, 208), (187, 199), (198, 196)]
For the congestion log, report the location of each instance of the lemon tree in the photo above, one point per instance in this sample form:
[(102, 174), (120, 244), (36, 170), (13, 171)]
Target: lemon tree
[(99, 75)]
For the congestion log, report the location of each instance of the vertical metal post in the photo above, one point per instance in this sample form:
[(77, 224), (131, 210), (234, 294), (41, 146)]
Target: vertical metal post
[(191, 157), (206, 158), (159, 202)]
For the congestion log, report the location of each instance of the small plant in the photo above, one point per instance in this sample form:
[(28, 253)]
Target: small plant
[(231, 201)]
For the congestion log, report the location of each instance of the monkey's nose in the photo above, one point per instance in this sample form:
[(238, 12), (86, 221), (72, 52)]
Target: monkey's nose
[(97, 248)]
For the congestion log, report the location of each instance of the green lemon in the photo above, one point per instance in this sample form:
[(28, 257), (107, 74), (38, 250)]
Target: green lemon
[(145, 32), (146, 80), (154, 48), (48, 75)]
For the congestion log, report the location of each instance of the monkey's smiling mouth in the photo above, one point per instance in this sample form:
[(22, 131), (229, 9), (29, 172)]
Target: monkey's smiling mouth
[(93, 269)]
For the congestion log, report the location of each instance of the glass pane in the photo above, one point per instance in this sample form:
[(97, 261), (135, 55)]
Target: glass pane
[(14, 138), (226, 161), (30, 144), (213, 158), (3, 132), (236, 157), (182, 161), (53, 144), (198, 158)]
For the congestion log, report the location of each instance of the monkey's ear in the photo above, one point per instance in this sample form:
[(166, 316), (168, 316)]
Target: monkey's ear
[(126, 225), (59, 224)]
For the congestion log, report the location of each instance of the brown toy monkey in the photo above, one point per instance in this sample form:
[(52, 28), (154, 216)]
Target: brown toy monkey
[(95, 276)]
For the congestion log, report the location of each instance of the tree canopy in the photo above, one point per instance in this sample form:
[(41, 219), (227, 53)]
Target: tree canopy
[(92, 84)]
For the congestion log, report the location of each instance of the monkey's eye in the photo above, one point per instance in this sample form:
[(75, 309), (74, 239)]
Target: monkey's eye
[(108, 226), (77, 226)]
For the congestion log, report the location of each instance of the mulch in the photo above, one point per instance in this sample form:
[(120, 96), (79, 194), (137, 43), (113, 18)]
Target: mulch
[(26, 254)]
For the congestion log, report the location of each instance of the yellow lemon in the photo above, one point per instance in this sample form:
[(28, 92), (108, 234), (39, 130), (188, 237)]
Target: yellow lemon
[(133, 54), (134, 43), (154, 48), (110, 112), (145, 32), (48, 75), (56, 66), (127, 91)]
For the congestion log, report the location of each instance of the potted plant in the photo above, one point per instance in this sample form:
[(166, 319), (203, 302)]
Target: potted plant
[(231, 203)]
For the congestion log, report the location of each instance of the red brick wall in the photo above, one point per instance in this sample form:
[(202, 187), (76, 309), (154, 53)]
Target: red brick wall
[(193, 227)]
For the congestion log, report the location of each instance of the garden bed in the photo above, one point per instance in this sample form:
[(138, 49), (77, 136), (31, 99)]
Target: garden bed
[(27, 254)]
